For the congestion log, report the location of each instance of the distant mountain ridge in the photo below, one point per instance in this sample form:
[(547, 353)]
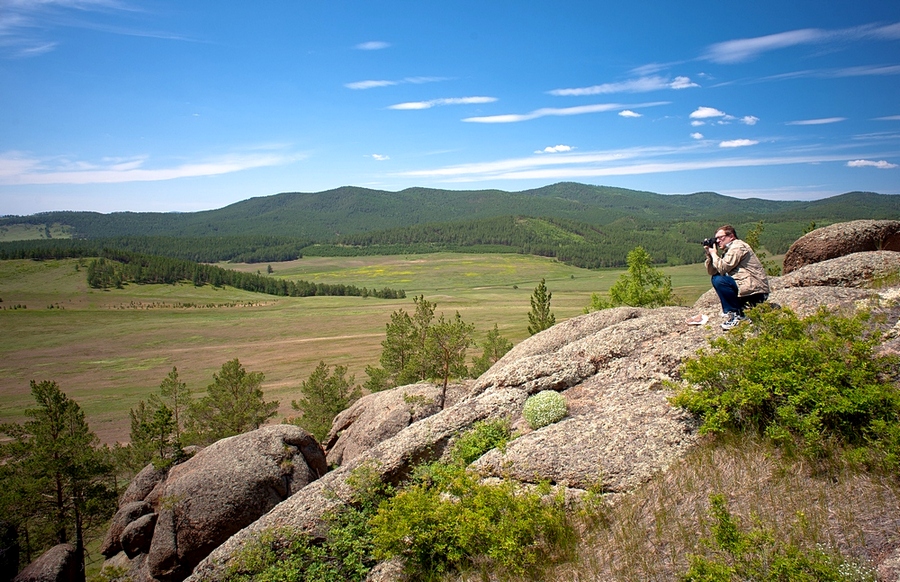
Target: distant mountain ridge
[(567, 220), (325, 216)]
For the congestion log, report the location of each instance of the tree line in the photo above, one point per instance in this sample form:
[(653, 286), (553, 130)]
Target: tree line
[(199, 249), (114, 268)]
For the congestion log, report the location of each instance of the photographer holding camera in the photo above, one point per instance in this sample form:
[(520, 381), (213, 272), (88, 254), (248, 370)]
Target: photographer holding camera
[(738, 276)]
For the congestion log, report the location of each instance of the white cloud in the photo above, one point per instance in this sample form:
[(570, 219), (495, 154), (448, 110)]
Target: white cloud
[(697, 123), (749, 120), (745, 49), (628, 162), (737, 143), (555, 149), (706, 113), (385, 83), (697, 135), (19, 169), (735, 51), (565, 111), (380, 157), (25, 25), (682, 83), (639, 85), (881, 164), (888, 118), (629, 113), (439, 102), (369, 84), (372, 45), (822, 121), (864, 71)]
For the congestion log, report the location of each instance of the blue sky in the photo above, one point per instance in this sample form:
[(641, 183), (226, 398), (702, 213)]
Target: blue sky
[(146, 105)]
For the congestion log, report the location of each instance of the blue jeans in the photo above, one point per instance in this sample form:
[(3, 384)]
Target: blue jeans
[(727, 290)]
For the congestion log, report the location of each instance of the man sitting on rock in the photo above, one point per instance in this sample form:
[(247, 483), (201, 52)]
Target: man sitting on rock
[(738, 276)]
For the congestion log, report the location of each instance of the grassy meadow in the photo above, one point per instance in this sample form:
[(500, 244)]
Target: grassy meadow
[(109, 349)]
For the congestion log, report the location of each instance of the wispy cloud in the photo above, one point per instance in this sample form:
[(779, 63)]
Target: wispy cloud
[(380, 157), (639, 85), (26, 26), (372, 45), (822, 121), (697, 135), (881, 164), (888, 118), (628, 162), (745, 49), (737, 143), (555, 149), (17, 168), (561, 112), (440, 102), (371, 84)]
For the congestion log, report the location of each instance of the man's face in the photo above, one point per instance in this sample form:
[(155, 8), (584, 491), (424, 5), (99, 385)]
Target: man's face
[(723, 239)]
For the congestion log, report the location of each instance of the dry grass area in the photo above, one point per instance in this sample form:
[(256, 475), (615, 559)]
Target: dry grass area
[(648, 535), (110, 349)]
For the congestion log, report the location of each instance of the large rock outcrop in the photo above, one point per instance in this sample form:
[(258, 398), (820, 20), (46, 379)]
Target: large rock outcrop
[(842, 239), (58, 564), (611, 366), (203, 501), (378, 416)]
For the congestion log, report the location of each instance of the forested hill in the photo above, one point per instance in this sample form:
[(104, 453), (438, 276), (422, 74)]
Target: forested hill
[(565, 220)]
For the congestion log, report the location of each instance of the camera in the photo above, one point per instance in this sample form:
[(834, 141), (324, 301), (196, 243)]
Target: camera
[(709, 242)]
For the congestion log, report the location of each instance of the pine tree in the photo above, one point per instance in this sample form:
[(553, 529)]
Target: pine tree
[(324, 397), (540, 317), (641, 285), (495, 347), (233, 405), (56, 475), (446, 346)]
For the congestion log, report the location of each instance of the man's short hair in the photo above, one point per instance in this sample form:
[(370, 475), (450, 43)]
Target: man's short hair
[(728, 230)]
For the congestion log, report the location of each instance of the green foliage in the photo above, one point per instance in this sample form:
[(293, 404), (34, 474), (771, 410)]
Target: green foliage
[(543, 408), (495, 347), (152, 435), (116, 267), (817, 381), (156, 424), (324, 397), (446, 343), (772, 268), (540, 317), (482, 437), (738, 554), (418, 348), (233, 404), (459, 523), (641, 286), (56, 482), (403, 358), (345, 554)]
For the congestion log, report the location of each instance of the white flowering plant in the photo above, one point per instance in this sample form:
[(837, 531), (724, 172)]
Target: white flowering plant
[(544, 408)]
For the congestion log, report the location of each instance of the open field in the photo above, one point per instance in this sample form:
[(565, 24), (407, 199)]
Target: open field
[(110, 349)]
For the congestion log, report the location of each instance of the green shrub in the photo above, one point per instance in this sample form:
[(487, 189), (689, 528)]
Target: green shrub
[(735, 554), (346, 553), (816, 381), (482, 437), (544, 408), (463, 523)]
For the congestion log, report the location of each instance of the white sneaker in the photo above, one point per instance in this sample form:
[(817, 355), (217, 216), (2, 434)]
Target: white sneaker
[(733, 321)]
